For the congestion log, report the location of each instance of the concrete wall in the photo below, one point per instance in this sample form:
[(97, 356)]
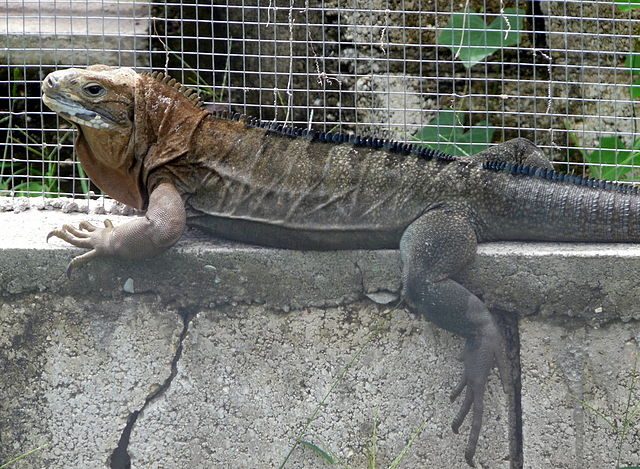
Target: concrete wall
[(216, 355), (49, 32)]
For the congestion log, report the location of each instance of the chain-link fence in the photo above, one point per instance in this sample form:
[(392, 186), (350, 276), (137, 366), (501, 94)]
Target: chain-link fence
[(457, 75)]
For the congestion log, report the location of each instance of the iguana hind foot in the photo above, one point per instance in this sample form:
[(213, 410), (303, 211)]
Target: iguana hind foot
[(480, 354)]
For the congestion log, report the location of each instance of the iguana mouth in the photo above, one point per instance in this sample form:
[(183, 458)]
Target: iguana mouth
[(74, 112)]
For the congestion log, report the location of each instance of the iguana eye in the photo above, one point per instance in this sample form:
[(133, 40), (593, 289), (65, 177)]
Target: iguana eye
[(94, 90)]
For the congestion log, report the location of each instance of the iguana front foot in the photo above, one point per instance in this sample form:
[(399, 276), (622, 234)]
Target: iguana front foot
[(140, 238), (481, 353), (87, 236)]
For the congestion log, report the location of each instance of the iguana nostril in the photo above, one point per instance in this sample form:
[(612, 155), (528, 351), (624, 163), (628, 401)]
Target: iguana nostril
[(52, 82)]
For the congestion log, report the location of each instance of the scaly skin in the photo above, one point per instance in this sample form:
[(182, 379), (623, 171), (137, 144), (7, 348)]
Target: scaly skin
[(147, 143)]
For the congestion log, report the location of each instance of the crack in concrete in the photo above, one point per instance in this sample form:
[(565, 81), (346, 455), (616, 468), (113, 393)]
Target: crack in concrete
[(361, 275), (120, 458)]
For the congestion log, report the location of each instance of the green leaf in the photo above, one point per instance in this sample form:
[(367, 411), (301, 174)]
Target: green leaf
[(34, 171), (627, 5), (84, 184), (29, 189), (446, 133), (612, 151), (319, 451), (446, 126), (634, 89), (632, 62), (471, 40)]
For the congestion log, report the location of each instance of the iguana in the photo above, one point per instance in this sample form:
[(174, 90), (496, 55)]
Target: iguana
[(148, 142)]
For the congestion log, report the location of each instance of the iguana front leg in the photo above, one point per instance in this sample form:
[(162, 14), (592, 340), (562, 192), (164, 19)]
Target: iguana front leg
[(147, 236), (433, 248)]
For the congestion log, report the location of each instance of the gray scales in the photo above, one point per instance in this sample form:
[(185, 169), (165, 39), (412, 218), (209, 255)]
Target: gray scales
[(149, 142)]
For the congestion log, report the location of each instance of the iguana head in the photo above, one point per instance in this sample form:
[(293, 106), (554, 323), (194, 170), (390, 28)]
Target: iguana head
[(128, 124), (99, 97)]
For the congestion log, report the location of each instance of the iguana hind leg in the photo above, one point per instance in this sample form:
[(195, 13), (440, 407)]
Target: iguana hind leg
[(433, 248)]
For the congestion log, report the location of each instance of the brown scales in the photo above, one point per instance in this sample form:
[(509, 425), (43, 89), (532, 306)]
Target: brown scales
[(389, 145)]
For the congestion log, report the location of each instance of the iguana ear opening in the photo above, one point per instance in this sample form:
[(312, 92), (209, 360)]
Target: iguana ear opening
[(112, 167)]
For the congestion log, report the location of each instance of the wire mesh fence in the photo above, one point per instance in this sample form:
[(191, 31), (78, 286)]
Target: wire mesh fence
[(455, 75)]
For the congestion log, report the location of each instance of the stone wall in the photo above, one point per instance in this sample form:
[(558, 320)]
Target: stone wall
[(217, 355)]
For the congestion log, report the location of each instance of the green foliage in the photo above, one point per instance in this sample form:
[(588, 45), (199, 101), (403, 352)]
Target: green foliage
[(613, 151), (318, 409), (303, 438), (446, 133), (627, 5), (472, 40), (632, 62), (323, 454), (395, 464)]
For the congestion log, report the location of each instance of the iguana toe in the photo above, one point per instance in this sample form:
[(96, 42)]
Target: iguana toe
[(464, 410), (72, 236), (88, 226), (80, 261)]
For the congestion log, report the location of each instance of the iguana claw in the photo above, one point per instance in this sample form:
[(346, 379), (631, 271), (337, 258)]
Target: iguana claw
[(86, 236)]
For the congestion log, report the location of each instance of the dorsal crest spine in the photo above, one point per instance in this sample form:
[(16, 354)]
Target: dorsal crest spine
[(392, 146), (554, 176), (189, 93), (311, 135)]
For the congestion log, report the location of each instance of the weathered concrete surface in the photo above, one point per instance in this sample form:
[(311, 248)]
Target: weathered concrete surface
[(580, 389), (84, 356), (589, 281), (249, 380), (73, 369)]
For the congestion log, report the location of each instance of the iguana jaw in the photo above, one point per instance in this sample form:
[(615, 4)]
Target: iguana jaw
[(77, 114), (90, 97)]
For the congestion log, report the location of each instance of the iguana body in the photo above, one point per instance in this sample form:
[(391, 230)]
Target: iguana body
[(146, 142)]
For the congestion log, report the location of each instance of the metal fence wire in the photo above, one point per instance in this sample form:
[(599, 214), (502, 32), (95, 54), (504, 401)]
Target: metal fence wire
[(455, 75)]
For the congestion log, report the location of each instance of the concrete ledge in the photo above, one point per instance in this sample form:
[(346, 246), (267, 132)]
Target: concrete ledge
[(196, 358), (79, 31), (594, 282)]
